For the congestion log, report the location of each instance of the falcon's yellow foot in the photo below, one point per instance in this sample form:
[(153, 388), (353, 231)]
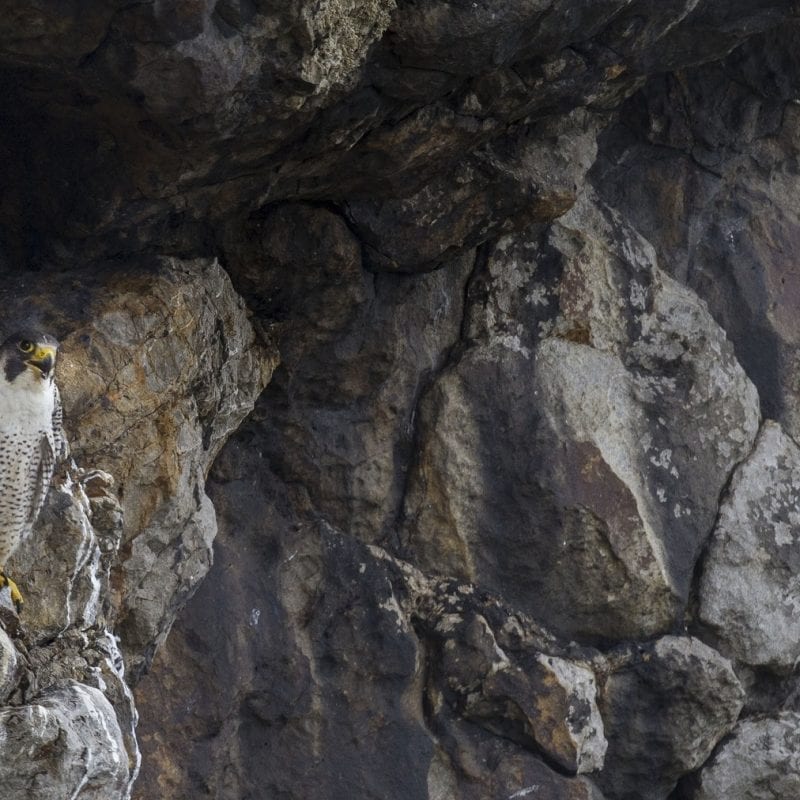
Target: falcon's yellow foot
[(15, 593)]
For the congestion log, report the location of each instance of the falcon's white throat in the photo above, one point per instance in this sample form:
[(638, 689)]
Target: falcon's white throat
[(27, 402)]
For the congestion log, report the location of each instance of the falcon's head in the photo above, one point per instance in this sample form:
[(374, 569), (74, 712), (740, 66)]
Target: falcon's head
[(31, 351)]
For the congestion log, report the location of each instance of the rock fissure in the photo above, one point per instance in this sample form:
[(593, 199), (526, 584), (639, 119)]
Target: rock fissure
[(449, 360)]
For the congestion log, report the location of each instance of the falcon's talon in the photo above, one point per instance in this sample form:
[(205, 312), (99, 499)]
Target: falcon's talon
[(16, 596)]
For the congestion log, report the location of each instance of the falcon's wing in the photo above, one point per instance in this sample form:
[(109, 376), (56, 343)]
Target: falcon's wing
[(53, 447), (41, 483), (60, 443)]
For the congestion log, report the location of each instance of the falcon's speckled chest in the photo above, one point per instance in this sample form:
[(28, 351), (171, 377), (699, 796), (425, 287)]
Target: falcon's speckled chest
[(27, 452)]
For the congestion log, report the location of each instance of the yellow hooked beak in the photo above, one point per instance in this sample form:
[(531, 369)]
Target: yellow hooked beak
[(43, 358)]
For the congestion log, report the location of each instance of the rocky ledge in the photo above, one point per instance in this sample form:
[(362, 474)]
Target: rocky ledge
[(430, 371)]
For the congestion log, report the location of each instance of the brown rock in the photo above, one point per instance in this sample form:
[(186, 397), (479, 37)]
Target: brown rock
[(157, 369)]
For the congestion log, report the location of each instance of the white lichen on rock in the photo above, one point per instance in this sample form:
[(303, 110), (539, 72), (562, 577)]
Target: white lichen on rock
[(750, 588)]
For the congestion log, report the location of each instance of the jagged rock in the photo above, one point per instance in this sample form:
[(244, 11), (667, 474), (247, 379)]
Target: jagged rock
[(156, 370), (749, 592), (584, 350), (529, 693), (531, 176), (547, 417), (552, 700), (340, 663), (759, 761), (8, 666), (65, 743), (63, 569), (702, 166), (665, 706), (354, 97), (175, 359), (91, 657), (359, 657), (464, 38), (470, 767)]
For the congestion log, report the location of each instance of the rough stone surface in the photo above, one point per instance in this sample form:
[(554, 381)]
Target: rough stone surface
[(356, 353), (348, 98), (68, 713), (65, 743), (362, 676), (66, 564), (532, 695), (665, 706), (759, 761), (749, 592), (9, 664), (160, 365), (514, 182), (704, 166), (505, 289), (139, 372), (558, 433)]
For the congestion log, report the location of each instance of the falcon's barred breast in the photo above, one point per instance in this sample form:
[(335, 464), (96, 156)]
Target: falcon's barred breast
[(31, 435)]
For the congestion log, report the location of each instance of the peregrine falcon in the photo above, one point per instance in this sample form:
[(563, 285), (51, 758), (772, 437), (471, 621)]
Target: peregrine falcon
[(31, 437)]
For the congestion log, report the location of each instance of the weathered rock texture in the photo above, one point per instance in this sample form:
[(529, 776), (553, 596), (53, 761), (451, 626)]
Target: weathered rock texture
[(160, 364), (750, 589), (760, 760), (66, 743), (553, 461), (698, 699), (462, 337), (70, 727)]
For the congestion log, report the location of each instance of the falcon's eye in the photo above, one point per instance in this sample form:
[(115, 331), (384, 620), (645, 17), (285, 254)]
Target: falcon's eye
[(26, 346)]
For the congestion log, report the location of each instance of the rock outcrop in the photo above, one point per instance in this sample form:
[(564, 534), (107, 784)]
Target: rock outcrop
[(553, 464), (750, 590), (430, 373), (69, 726), (699, 699), (65, 744), (158, 366), (760, 760)]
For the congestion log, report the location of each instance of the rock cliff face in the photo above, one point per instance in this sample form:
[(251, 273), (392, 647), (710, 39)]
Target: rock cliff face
[(462, 339)]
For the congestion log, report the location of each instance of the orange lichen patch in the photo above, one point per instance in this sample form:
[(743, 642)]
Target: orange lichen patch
[(551, 206), (578, 333), (614, 71)]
